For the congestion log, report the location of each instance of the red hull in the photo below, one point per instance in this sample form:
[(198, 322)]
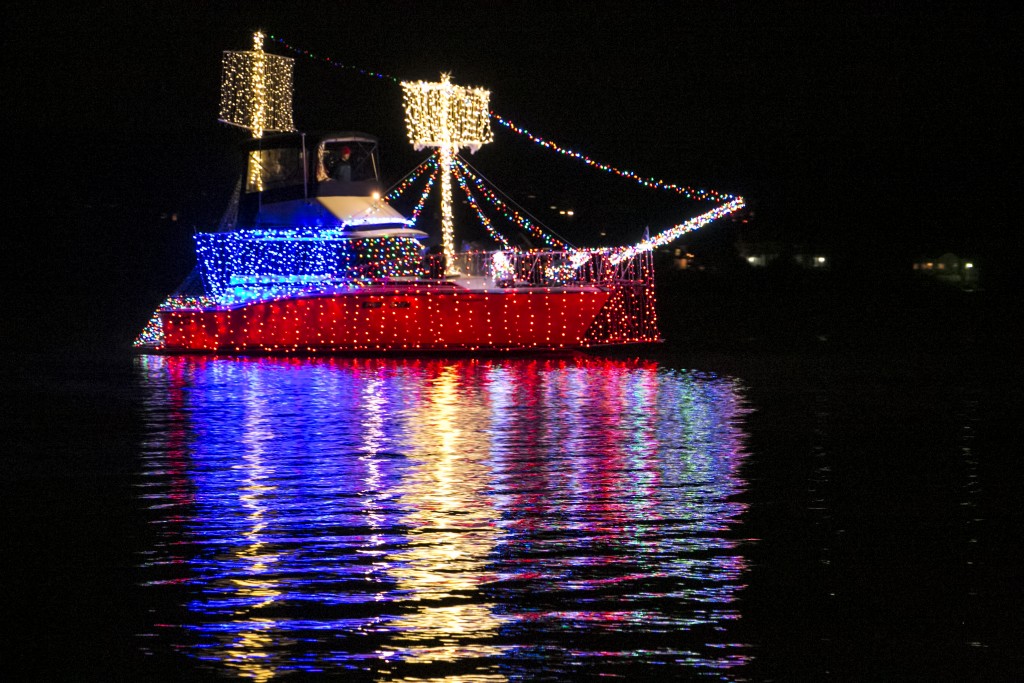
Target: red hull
[(390, 321)]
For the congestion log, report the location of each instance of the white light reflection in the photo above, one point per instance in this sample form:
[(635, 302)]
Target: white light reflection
[(397, 516), (452, 528)]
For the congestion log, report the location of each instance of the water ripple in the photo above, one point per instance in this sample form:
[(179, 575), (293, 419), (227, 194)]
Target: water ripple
[(424, 519)]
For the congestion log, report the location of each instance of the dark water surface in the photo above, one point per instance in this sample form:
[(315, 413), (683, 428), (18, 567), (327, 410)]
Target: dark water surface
[(565, 518)]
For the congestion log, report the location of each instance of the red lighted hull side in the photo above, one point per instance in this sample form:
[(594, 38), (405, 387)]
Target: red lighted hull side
[(388, 321)]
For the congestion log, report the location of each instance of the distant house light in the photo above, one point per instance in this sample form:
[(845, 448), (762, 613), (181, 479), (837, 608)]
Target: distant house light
[(968, 265), (821, 259)]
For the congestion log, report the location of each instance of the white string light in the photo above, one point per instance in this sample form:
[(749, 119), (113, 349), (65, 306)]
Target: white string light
[(448, 117), (256, 90)]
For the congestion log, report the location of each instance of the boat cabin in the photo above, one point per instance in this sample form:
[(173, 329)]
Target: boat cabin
[(326, 179)]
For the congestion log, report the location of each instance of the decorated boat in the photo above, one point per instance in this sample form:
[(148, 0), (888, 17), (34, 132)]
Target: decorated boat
[(313, 257)]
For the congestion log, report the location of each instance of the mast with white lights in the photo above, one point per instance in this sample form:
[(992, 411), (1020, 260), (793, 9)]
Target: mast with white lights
[(448, 117)]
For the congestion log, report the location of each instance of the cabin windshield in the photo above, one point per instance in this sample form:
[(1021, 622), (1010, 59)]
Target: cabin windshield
[(272, 168), (346, 160)]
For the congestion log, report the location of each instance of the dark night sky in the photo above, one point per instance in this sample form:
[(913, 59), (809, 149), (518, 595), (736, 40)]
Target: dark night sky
[(877, 133)]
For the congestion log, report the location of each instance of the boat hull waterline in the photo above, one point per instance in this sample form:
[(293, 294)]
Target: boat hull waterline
[(425, 320)]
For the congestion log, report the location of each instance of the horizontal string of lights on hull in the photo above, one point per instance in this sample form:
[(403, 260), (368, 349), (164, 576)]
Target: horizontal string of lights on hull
[(427, 318), (504, 300)]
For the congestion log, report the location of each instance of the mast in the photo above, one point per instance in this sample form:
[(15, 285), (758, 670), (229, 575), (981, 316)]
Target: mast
[(448, 117)]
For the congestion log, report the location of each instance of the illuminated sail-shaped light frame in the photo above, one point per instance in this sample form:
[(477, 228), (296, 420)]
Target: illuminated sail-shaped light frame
[(256, 90), (448, 117)]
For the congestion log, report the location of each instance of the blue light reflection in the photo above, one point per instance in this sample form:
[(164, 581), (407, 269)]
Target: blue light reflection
[(477, 520)]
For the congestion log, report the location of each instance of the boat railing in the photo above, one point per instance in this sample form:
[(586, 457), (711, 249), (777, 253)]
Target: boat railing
[(250, 264), (551, 268)]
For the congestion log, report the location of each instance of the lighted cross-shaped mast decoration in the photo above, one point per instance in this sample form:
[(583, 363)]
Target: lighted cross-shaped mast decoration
[(448, 117), (256, 94)]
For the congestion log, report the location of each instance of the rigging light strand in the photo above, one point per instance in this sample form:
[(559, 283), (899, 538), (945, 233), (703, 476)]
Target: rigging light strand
[(689, 192), (460, 176), (332, 62), (729, 203), (509, 213)]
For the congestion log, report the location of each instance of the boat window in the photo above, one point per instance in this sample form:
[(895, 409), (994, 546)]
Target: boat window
[(360, 160), (272, 168)]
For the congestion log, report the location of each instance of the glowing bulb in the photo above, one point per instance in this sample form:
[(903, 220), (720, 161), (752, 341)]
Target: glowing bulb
[(448, 117), (256, 90)]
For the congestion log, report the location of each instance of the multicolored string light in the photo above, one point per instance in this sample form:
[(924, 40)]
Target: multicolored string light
[(153, 333), (511, 214), (675, 232), (334, 63), (418, 209), (650, 182), (289, 289), (461, 171), (688, 192), (461, 178), (248, 265), (410, 179)]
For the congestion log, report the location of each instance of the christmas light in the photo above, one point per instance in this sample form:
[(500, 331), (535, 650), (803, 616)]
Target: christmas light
[(689, 192), (273, 300), (423, 198), (678, 231), (256, 94), (460, 177), (314, 289), (411, 178), (256, 264), (153, 334), (448, 117), (508, 213), (430, 129), (501, 268), (256, 90), (444, 157), (440, 114), (334, 63)]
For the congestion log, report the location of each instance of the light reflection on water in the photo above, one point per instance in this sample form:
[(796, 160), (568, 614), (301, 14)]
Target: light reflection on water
[(419, 519)]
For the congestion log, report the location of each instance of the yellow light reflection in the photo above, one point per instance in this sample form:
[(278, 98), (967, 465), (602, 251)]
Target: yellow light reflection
[(453, 529)]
